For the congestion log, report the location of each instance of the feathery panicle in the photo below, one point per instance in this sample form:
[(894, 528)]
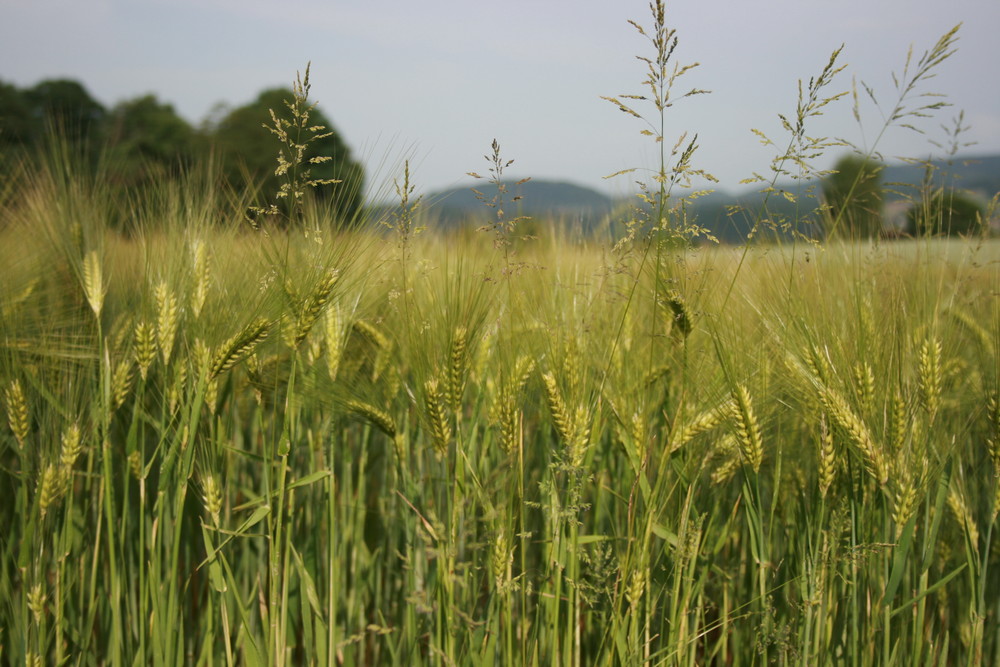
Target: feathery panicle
[(748, 434), (859, 433), (239, 346), (436, 413), (93, 282), (929, 375), (166, 320), (17, 411)]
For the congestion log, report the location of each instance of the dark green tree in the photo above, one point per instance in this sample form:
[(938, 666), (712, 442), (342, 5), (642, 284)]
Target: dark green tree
[(17, 124), (248, 149), (147, 139), (65, 106), (946, 212), (853, 193)]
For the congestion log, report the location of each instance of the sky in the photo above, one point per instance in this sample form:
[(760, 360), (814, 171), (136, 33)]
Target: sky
[(436, 81)]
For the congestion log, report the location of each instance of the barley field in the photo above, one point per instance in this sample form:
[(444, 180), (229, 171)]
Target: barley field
[(299, 442), (223, 446)]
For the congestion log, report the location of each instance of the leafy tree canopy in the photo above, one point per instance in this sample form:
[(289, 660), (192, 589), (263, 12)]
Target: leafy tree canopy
[(853, 193), (947, 212)]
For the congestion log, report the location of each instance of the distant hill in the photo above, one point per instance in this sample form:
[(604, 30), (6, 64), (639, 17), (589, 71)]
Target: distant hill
[(586, 207), (539, 198)]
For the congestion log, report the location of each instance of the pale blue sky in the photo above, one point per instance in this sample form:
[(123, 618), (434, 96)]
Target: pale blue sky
[(437, 80)]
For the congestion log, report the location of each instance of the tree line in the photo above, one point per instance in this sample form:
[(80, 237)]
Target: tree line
[(143, 140)]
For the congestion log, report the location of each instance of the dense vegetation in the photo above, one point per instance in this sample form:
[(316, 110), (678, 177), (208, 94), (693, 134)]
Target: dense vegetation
[(294, 441)]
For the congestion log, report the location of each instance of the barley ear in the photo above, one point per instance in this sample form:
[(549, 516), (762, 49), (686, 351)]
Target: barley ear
[(166, 320), (561, 417), (17, 412), (827, 457), (458, 364), (748, 433), (440, 426), (202, 276), (929, 375), (380, 418), (239, 346), (93, 282)]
